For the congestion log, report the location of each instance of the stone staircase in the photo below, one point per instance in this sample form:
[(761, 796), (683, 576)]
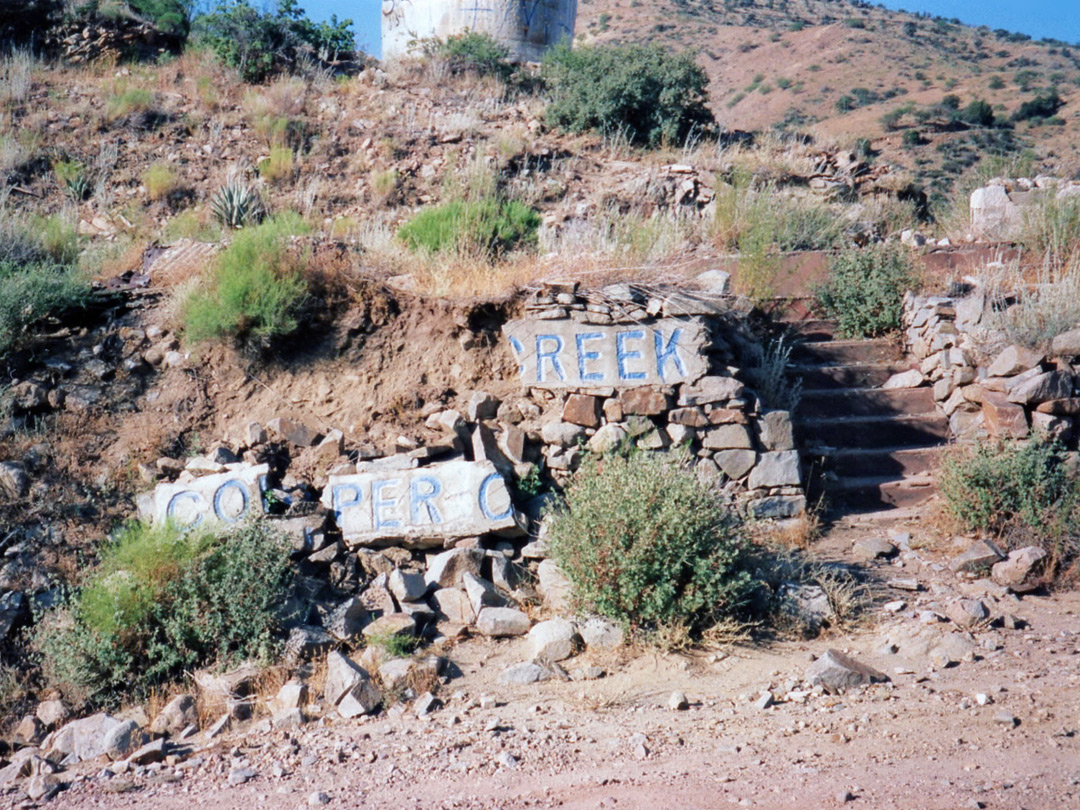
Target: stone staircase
[(869, 449)]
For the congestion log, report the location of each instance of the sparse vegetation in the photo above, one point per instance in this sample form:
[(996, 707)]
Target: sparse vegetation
[(659, 98), (487, 226), (646, 543), (161, 603), (278, 166), (864, 290), (160, 179), (471, 52), (255, 290)]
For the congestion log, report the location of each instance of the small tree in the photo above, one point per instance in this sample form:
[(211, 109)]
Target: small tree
[(653, 96)]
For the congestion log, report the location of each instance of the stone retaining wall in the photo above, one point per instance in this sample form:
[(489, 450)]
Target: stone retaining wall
[(986, 385)]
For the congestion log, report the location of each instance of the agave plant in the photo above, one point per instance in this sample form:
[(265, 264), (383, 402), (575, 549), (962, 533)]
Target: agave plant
[(237, 204)]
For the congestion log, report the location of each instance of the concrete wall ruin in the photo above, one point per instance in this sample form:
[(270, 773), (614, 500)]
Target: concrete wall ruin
[(527, 27)]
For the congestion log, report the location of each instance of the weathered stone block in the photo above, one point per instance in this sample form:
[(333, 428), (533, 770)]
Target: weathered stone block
[(581, 409), (735, 464), (644, 401), (1042, 388), (708, 390), (727, 437), (777, 469), (1004, 419), (775, 431), (691, 417)]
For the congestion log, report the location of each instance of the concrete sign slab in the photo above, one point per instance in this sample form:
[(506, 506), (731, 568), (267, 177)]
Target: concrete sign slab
[(222, 499), (422, 507), (567, 354)]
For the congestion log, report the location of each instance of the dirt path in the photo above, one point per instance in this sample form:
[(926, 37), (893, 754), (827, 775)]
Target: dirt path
[(922, 741)]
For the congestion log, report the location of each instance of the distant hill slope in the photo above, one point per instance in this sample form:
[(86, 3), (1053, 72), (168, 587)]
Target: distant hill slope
[(833, 68)]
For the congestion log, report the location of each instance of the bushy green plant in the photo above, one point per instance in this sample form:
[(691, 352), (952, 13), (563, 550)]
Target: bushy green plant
[(489, 226), (646, 543), (162, 602), (989, 487), (1044, 105), (261, 43), (472, 52), (657, 96), (170, 16), (865, 289), (256, 290)]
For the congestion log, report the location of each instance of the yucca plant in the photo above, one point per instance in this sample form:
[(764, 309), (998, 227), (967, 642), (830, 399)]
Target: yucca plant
[(237, 204), (73, 179)]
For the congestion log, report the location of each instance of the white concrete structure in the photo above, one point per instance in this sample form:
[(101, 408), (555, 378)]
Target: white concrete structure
[(527, 27)]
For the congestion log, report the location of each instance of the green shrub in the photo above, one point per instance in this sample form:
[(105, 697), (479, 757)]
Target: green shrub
[(256, 290), (278, 166), (472, 52), (988, 488), (646, 543), (160, 180), (162, 603), (1044, 105), (261, 43), (865, 289), (489, 225), (656, 96), (170, 16)]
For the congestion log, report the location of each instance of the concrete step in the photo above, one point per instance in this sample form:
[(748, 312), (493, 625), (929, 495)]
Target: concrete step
[(865, 402), (845, 494), (865, 462), (922, 430), (844, 352), (862, 375)]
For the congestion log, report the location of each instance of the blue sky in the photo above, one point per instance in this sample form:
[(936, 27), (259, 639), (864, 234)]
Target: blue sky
[(1059, 19)]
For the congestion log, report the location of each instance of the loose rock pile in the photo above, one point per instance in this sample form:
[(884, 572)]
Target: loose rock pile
[(997, 209)]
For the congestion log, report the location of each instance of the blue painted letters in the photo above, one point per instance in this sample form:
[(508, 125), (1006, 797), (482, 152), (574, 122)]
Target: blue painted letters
[(584, 356), (668, 351), (623, 354), (553, 356)]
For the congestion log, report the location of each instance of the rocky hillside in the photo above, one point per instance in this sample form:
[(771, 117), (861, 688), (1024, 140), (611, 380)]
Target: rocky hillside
[(836, 68)]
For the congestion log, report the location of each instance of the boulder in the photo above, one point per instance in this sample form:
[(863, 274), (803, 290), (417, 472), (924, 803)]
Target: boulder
[(708, 390), (1067, 344), (837, 672), (600, 633), (1042, 388), (644, 401), (562, 434), (482, 405), (912, 378), (1021, 569), (735, 464), (453, 605), (776, 507), (554, 586), (291, 431), (342, 676), (967, 612), (52, 713), (775, 431), (583, 410), (1004, 419), (1012, 361), (979, 556), (553, 640), (777, 469), (498, 622), (84, 739), (873, 548), (346, 620), (806, 606), (607, 438), (407, 586), (446, 570), (727, 437), (523, 674), (121, 739), (292, 695), (481, 593), (178, 714), (29, 731), (392, 624)]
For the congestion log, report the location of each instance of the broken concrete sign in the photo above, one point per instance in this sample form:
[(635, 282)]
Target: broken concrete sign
[(422, 506), (225, 498)]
